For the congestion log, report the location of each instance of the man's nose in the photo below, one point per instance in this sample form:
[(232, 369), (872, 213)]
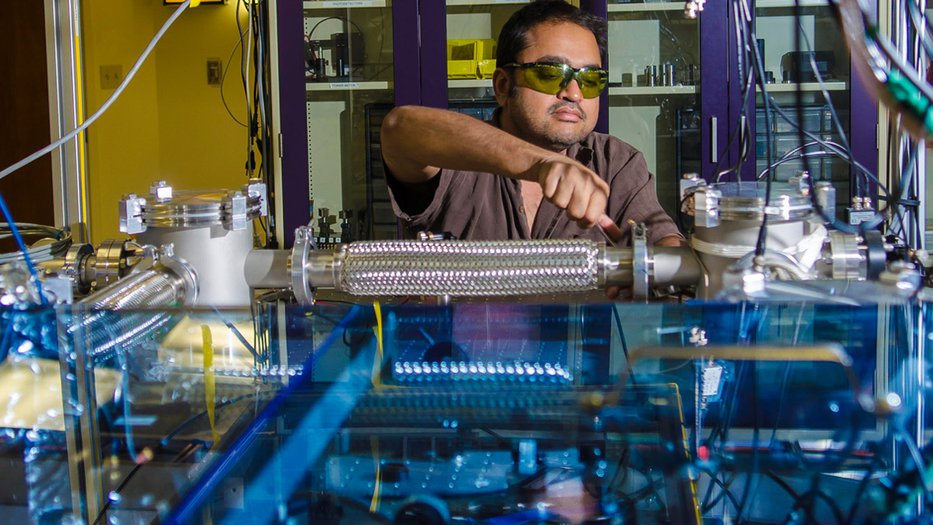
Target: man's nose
[(571, 91)]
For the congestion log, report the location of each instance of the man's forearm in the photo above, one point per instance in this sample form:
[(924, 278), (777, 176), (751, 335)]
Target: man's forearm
[(418, 141)]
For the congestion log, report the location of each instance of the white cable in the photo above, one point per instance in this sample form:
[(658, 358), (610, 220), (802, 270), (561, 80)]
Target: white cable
[(106, 105)]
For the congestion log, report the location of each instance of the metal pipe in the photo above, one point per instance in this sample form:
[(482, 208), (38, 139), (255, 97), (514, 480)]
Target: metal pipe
[(465, 268), (169, 282), (267, 269), (675, 265)]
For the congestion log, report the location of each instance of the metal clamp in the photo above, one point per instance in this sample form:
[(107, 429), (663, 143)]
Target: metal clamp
[(236, 211), (256, 190), (184, 271), (642, 265), (301, 286), (131, 214), (75, 259), (110, 263), (847, 260)]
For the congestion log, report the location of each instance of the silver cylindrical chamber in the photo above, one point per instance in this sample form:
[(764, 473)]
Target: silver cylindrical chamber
[(728, 220), (216, 253), (720, 247)]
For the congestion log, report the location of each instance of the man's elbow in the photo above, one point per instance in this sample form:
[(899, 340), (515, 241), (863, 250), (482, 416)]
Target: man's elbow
[(395, 123), (671, 241)]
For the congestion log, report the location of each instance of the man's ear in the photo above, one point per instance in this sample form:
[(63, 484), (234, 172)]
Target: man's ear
[(502, 85)]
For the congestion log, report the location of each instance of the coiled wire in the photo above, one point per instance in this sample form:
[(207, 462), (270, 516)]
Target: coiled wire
[(458, 268)]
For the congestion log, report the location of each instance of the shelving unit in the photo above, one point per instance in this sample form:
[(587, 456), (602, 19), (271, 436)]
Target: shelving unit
[(644, 7), (484, 2), (470, 83), (779, 4), (807, 86), (342, 4), (652, 90), (349, 86)]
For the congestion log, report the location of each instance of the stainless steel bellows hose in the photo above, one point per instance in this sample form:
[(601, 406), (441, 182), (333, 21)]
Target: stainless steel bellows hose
[(468, 269)]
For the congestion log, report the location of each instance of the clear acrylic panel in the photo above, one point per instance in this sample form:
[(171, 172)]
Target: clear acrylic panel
[(654, 80), (349, 73), (823, 94), (482, 412)]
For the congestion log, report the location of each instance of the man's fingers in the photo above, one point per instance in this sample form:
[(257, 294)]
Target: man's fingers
[(610, 227)]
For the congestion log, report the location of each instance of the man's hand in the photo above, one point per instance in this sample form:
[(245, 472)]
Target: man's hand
[(614, 233), (571, 186)]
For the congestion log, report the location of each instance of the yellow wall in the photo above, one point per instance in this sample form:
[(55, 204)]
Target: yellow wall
[(169, 123)]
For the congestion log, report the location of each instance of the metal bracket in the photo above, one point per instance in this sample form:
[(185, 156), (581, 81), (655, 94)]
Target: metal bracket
[(642, 264), (304, 243), (131, 214)]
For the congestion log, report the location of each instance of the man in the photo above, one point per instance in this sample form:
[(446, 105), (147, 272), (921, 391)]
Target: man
[(448, 172)]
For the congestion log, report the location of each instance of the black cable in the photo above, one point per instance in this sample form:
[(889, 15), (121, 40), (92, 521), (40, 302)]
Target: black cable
[(321, 21), (628, 362), (829, 146), (725, 492), (837, 123), (162, 444), (747, 490), (759, 74), (223, 77), (236, 332), (863, 484)]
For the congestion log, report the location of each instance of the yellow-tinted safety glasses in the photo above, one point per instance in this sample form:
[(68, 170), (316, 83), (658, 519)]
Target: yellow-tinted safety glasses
[(552, 78)]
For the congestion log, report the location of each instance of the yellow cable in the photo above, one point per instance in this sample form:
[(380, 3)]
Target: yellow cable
[(207, 347), (377, 362), (377, 487)]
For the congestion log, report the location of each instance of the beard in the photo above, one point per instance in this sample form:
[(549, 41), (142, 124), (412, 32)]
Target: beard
[(539, 130)]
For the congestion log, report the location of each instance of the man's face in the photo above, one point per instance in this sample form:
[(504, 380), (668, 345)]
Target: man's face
[(554, 122)]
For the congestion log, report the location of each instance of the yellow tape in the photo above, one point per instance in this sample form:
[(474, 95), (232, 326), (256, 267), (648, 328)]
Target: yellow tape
[(207, 348), (195, 3)]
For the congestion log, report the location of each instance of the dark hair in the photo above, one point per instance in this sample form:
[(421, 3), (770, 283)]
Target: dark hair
[(513, 37)]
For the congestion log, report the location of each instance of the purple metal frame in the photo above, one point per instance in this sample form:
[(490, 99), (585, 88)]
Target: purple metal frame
[(433, 53), (292, 114), (863, 130), (717, 31), (601, 9), (406, 52)]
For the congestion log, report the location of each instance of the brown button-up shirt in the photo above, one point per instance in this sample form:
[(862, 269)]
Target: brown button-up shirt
[(482, 206)]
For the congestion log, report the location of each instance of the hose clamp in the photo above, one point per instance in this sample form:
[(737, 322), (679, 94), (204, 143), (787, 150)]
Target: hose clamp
[(642, 264), (301, 286)]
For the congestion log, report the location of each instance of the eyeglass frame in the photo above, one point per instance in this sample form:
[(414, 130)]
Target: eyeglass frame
[(574, 71)]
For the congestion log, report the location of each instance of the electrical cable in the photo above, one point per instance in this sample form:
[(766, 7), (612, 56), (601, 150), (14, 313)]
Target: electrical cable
[(837, 123), (829, 146), (922, 27), (22, 247), (628, 362), (223, 77), (106, 105), (162, 444), (759, 74), (236, 332)]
